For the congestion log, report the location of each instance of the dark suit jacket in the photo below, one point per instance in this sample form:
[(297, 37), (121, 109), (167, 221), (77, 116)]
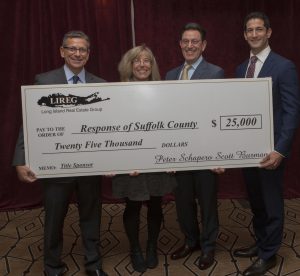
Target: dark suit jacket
[(198, 184), (204, 70), (286, 97), (56, 76)]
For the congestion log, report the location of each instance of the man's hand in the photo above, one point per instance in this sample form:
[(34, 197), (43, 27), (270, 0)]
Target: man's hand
[(271, 161), (135, 173), (25, 174), (218, 170), (110, 175)]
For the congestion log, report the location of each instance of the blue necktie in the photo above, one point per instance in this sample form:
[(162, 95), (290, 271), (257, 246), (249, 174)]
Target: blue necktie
[(75, 79)]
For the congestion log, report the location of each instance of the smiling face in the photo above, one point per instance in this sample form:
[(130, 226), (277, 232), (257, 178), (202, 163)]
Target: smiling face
[(192, 45), (75, 51), (257, 35), (141, 67)]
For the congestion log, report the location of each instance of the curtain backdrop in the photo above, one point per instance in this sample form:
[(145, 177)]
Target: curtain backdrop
[(32, 32), (31, 35), (158, 24)]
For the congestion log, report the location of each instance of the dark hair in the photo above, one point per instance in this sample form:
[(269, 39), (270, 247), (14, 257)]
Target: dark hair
[(257, 15), (196, 27), (75, 34)]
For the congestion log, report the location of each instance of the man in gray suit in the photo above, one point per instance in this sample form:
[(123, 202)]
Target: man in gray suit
[(200, 185), (75, 51)]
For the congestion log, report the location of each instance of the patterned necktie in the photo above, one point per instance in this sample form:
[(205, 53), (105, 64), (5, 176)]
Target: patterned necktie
[(184, 75), (75, 79), (251, 68)]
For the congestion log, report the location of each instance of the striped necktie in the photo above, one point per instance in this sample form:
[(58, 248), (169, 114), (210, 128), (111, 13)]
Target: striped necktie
[(251, 68)]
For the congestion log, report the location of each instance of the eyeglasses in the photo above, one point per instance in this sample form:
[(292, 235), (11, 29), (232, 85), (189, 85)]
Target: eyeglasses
[(186, 42), (73, 50), (137, 61)]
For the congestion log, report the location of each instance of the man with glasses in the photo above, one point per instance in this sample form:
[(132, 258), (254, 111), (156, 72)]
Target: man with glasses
[(200, 185), (265, 184), (58, 191)]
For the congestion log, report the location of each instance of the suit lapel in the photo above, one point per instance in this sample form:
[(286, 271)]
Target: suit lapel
[(60, 77), (88, 77), (267, 66), (242, 72), (177, 72), (200, 70), (264, 72)]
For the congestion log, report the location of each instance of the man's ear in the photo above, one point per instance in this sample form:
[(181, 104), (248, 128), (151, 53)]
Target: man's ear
[(269, 32), (204, 44), (62, 52)]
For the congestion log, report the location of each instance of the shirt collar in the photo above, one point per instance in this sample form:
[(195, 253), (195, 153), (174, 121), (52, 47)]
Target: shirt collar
[(262, 55), (70, 74), (196, 63)]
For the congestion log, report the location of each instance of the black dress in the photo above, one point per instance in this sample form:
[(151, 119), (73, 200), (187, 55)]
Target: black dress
[(141, 187)]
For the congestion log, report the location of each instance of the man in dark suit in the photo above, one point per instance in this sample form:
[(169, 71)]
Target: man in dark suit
[(75, 51), (200, 185), (265, 184)]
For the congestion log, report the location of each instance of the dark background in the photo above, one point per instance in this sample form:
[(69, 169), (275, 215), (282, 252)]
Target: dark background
[(32, 30)]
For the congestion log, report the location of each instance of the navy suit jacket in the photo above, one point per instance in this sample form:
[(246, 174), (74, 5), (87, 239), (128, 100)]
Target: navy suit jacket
[(56, 76), (204, 70), (286, 97)]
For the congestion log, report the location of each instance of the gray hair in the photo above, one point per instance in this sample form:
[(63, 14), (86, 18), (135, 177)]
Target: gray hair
[(75, 34)]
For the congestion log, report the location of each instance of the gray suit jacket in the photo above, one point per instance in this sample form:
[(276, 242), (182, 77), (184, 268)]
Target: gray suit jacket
[(56, 76), (204, 70)]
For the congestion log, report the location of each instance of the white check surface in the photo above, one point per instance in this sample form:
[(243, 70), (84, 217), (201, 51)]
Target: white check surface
[(147, 126)]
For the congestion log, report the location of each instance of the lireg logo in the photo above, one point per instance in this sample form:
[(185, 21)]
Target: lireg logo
[(60, 100)]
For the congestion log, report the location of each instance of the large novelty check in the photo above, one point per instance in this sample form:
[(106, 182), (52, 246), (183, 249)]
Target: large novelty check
[(90, 129)]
